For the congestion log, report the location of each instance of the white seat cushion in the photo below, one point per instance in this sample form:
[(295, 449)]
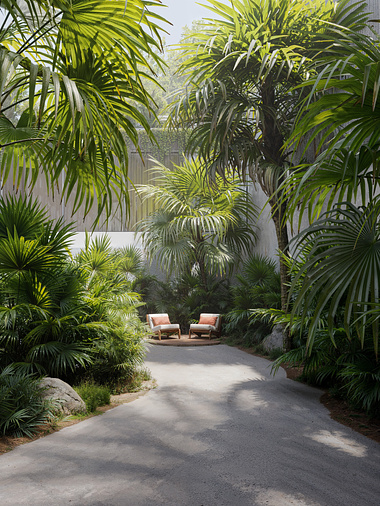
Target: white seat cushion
[(196, 327), (163, 328)]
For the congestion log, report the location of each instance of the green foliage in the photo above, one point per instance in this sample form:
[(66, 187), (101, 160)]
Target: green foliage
[(117, 332), (348, 117), (258, 286), (243, 69), (346, 368), (69, 93), (134, 382), (21, 408), (93, 395), (62, 318), (362, 383), (196, 224), (40, 292), (336, 359), (185, 297), (342, 267)]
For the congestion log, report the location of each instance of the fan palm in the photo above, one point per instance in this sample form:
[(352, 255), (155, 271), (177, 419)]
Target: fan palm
[(342, 267), (341, 115), (241, 101), (71, 76), (351, 114), (195, 224), (40, 293)]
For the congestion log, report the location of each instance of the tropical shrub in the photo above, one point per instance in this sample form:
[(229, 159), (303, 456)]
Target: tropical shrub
[(93, 395), (349, 370), (116, 346), (258, 286), (21, 408), (342, 268), (40, 292), (58, 317), (336, 358)]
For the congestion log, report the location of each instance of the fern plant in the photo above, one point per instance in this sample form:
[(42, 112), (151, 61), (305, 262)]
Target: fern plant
[(21, 408)]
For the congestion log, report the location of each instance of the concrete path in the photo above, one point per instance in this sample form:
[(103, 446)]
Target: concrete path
[(218, 431)]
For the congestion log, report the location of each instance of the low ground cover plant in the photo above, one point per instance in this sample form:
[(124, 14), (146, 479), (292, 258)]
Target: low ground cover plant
[(22, 410), (93, 395)]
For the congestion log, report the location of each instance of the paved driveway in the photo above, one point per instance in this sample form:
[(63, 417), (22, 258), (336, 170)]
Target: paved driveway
[(218, 430)]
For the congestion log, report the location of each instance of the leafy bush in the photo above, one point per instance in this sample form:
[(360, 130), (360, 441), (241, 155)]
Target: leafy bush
[(93, 395), (342, 365), (258, 287), (135, 381), (40, 292), (22, 409), (72, 320), (116, 342)]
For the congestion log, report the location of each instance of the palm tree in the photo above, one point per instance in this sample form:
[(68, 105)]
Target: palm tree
[(40, 293), (71, 76), (196, 225), (342, 266), (242, 97), (350, 115)]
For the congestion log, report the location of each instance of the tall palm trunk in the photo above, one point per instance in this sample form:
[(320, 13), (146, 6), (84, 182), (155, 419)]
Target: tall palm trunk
[(199, 257), (272, 144)]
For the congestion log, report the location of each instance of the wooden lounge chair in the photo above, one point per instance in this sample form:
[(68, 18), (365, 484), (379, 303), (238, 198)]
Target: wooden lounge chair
[(160, 324), (209, 323)]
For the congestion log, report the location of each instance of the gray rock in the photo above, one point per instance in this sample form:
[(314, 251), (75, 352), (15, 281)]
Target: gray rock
[(275, 339), (57, 390)]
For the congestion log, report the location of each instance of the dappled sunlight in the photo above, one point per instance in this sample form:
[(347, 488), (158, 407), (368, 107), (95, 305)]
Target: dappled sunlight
[(340, 442), (189, 415), (248, 400), (277, 498), (216, 375)]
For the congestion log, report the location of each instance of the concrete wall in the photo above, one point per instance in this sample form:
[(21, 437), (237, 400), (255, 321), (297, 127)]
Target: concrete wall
[(374, 9)]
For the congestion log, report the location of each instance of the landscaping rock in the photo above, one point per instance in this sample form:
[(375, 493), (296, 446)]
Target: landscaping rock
[(57, 390), (275, 339)]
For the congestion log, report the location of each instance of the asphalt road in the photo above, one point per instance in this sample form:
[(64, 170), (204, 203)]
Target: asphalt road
[(219, 430)]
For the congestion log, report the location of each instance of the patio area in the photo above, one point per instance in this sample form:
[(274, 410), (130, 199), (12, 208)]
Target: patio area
[(184, 341)]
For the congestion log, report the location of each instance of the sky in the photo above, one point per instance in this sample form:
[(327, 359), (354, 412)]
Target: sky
[(181, 13)]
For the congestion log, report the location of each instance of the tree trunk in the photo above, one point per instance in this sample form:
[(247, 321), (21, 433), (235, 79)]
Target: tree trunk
[(272, 145), (199, 239), (283, 246)]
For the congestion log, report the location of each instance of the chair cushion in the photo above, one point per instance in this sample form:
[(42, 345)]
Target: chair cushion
[(196, 327), (160, 320), (173, 327), (207, 320)]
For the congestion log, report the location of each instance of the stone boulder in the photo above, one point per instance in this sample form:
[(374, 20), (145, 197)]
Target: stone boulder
[(57, 390), (275, 339)]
